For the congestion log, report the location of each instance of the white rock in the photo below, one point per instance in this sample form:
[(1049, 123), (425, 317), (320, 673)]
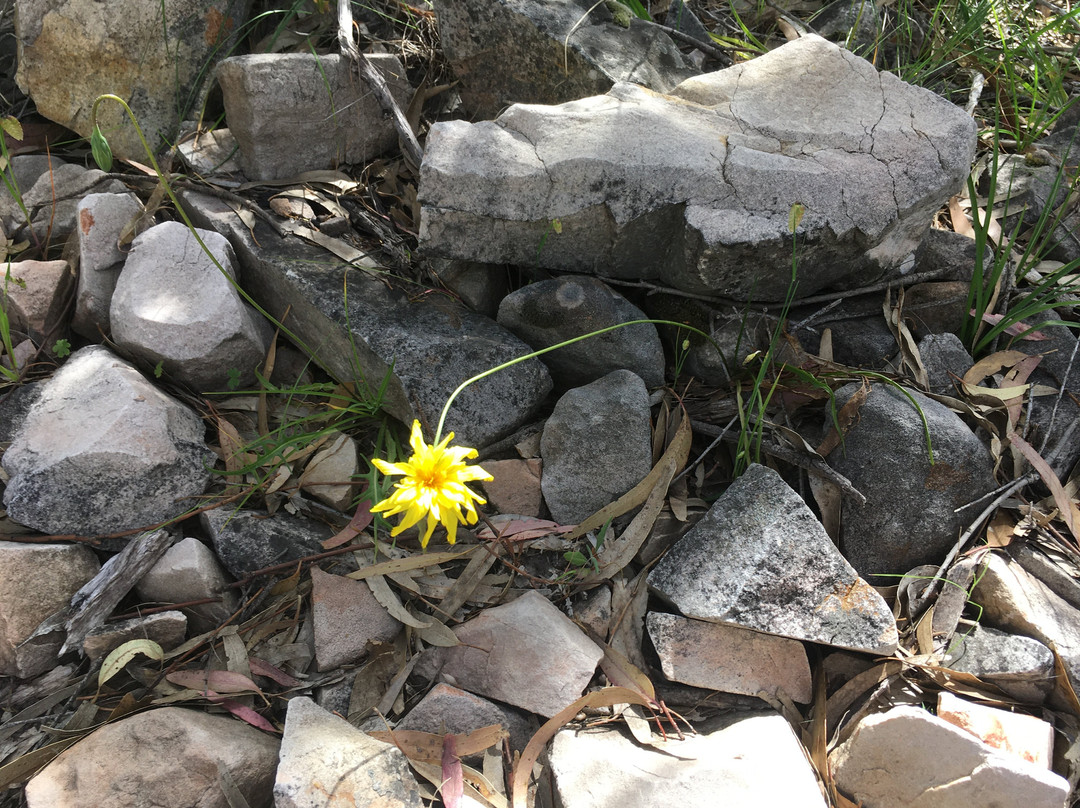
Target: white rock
[(748, 761), (188, 571), (100, 220), (326, 762), (1026, 736), (908, 758)]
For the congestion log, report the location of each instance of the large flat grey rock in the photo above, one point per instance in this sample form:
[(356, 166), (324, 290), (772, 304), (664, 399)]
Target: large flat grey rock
[(760, 559), (695, 188), (359, 328)]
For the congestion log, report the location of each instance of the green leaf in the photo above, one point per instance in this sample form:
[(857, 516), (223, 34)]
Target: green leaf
[(795, 216), (11, 126), (99, 146), (61, 348), (118, 658), (159, 368), (576, 558)]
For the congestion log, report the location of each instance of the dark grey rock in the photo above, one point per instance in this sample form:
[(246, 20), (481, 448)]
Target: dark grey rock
[(360, 329), (552, 311), (1056, 576), (949, 255), (246, 541), (946, 360), (102, 450), (596, 446), (565, 49), (1021, 666), (909, 515), (760, 559)]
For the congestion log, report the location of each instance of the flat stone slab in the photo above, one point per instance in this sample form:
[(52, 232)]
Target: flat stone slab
[(907, 757), (695, 188), (526, 653), (760, 559), (753, 760), (359, 328), (728, 658)]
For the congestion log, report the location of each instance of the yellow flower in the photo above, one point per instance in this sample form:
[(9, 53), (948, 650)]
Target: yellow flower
[(433, 486)]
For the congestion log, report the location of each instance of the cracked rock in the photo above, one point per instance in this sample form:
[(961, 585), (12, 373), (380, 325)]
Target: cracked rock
[(869, 157)]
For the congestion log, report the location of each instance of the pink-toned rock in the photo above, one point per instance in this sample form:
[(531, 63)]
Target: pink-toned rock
[(516, 487), (347, 617), (1024, 735), (526, 653), (450, 709), (37, 580), (166, 758), (729, 658), (36, 297)]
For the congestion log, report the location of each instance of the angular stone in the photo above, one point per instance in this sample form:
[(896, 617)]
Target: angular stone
[(37, 580), (248, 541), (272, 101), (72, 51), (1014, 600), (103, 450), (516, 487), (137, 761), (596, 446), (1043, 567), (907, 757), (189, 571), (173, 305), (416, 352), (50, 190), (327, 762), (909, 517), (729, 658), (1022, 667), (212, 153), (450, 709), (526, 653), (548, 312), (328, 474), (946, 360), (167, 629), (35, 295), (101, 219), (696, 189), (733, 761), (347, 619), (760, 559), (572, 48), (1025, 736)]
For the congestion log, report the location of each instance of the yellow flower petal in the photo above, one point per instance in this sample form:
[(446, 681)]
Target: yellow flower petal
[(432, 485)]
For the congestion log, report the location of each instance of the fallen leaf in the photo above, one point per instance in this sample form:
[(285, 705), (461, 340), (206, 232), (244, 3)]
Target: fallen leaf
[(219, 681), (452, 782), (428, 747), (118, 658)]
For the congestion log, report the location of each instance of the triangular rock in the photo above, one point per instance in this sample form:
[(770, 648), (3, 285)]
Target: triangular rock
[(760, 559)]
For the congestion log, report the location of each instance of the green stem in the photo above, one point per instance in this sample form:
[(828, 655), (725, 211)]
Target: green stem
[(505, 365)]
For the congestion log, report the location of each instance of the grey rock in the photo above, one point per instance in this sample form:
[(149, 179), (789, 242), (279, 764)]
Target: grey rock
[(481, 287), (571, 47), (1015, 601), (1039, 563), (734, 761), (946, 360), (211, 153), (272, 101), (526, 653), (949, 255), (596, 446), (37, 580), (15, 405), (852, 24), (167, 629), (712, 214), (173, 305), (246, 541), (907, 757), (729, 658), (72, 51), (36, 295), (549, 312), (909, 516), (326, 762), (1028, 190), (347, 619), (101, 219), (50, 192), (134, 762), (421, 350), (1021, 666), (761, 560), (450, 709), (189, 571), (103, 450)]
